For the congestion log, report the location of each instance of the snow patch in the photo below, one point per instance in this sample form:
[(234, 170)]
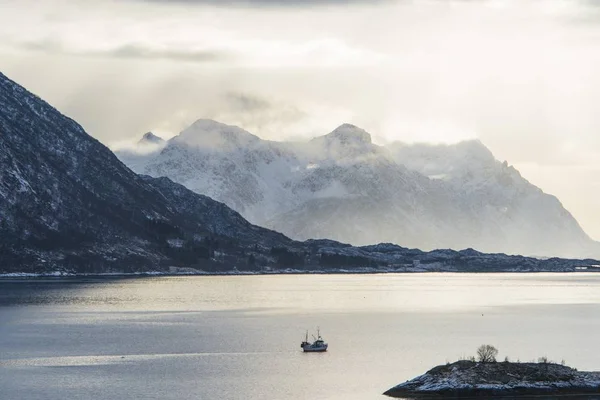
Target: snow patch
[(175, 243)]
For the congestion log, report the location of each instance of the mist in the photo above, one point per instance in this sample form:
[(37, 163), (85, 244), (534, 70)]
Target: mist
[(519, 75)]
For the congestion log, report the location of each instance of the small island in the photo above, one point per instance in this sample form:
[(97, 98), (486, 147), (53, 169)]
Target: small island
[(488, 378)]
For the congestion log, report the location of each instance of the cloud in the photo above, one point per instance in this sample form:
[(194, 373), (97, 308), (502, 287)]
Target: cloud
[(134, 51), (521, 75), (259, 114), (185, 36), (128, 51), (248, 103)]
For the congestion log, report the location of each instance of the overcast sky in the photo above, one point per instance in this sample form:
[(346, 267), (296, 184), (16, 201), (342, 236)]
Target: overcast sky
[(523, 76)]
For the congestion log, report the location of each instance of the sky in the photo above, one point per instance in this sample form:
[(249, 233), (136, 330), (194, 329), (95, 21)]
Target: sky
[(520, 75)]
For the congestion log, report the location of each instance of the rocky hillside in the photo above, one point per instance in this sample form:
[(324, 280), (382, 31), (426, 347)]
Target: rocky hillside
[(66, 202), (344, 187), (498, 379)]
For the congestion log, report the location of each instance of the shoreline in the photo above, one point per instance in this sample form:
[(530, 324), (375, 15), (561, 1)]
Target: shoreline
[(60, 274)]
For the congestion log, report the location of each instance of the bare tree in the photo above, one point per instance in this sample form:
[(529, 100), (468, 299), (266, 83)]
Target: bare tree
[(487, 353)]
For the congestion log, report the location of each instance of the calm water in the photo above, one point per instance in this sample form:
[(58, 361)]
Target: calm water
[(238, 337)]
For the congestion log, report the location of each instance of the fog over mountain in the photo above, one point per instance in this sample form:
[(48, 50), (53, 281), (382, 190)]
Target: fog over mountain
[(344, 187), (69, 206), (520, 75)]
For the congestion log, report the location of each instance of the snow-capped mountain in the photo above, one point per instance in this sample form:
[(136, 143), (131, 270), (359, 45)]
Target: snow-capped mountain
[(68, 205), (344, 187), (150, 138), (507, 212)]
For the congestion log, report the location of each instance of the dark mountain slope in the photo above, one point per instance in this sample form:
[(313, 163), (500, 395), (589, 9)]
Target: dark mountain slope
[(200, 211), (66, 200)]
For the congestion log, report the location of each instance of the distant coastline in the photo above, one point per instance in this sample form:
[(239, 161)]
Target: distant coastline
[(62, 274)]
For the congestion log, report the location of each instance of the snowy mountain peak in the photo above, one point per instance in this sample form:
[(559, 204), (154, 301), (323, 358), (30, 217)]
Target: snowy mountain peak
[(206, 133), (349, 134), (445, 161), (150, 138), (343, 186), (208, 124), (346, 142), (475, 149)]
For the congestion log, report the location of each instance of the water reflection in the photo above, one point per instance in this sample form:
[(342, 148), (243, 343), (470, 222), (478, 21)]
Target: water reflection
[(237, 337)]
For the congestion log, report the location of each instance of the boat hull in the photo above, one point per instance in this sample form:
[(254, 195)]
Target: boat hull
[(309, 349)]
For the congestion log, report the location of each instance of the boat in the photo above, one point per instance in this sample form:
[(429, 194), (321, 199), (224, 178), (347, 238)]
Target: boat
[(317, 346)]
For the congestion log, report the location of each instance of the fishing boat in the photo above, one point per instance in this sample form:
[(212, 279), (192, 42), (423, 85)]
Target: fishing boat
[(317, 346)]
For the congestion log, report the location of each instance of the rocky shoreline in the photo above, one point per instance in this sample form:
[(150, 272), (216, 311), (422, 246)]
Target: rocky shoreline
[(499, 379)]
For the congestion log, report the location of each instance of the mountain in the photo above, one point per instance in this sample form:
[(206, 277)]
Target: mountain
[(67, 202), (68, 205), (344, 187), (150, 138)]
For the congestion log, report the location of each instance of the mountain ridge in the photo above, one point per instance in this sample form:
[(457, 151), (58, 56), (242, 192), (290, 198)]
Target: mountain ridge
[(68, 203), (150, 138), (344, 187), (69, 206)]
